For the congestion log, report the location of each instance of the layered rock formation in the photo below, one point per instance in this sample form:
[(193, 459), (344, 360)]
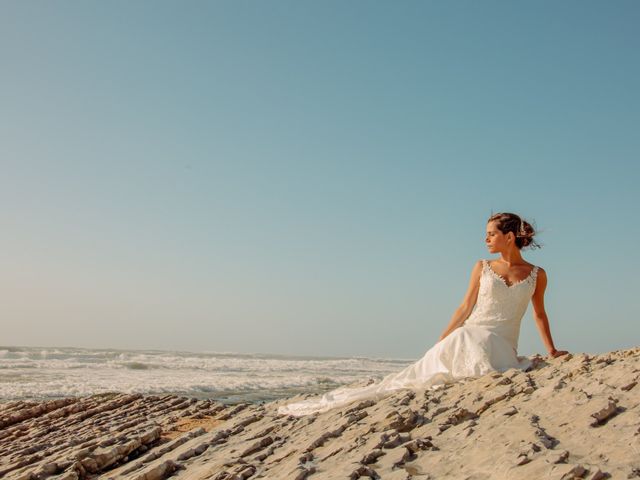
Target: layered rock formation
[(576, 416)]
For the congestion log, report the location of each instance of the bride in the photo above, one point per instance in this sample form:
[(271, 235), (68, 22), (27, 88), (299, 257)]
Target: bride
[(477, 340)]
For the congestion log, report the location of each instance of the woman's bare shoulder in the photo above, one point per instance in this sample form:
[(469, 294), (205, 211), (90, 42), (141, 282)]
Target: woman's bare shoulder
[(541, 275), (528, 264), (476, 271)]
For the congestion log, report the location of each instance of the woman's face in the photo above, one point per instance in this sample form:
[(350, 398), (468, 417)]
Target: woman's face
[(495, 240)]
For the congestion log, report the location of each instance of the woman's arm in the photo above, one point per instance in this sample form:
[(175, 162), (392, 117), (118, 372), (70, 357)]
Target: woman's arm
[(540, 316), (468, 302)]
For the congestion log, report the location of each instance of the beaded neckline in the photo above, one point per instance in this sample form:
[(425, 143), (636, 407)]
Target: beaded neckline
[(532, 274)]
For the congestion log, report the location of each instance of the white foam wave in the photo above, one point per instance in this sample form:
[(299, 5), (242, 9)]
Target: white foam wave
[(60, 372)]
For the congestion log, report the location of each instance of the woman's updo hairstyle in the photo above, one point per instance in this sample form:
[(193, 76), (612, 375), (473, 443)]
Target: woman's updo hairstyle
[(510, 222)]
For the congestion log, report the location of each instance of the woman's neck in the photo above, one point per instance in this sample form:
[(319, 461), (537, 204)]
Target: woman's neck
[(512, 257)]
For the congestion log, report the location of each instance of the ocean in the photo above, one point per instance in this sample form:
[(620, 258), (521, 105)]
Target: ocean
[(39, 373)]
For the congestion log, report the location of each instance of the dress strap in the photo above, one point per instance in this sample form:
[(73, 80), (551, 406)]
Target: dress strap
[(534, 272), (485, 267)]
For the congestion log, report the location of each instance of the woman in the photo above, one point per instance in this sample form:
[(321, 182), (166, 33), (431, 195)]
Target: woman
[(477, 340)]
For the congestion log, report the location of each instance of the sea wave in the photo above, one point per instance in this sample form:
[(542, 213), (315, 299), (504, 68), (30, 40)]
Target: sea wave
[(27, 372)]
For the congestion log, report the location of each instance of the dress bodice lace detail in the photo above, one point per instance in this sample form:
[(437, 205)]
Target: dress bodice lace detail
[(532, 275), (501, 307)]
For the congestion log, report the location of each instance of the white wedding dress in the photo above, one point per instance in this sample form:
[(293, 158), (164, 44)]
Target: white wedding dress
[(486, 342)]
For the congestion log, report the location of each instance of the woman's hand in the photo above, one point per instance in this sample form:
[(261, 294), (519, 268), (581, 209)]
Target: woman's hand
[(556, 353)]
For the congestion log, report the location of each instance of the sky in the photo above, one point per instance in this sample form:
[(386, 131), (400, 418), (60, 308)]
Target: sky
[(312, 178)]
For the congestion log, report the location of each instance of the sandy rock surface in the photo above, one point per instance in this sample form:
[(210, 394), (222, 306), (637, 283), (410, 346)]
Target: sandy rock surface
[(576, 416)]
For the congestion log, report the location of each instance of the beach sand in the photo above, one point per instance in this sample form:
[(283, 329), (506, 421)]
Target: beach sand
[(576, 416)]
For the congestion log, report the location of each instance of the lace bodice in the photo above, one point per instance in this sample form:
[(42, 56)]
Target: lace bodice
[(500, 307)]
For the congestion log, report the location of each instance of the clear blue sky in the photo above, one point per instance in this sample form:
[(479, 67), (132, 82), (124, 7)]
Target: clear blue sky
[(312, 177)]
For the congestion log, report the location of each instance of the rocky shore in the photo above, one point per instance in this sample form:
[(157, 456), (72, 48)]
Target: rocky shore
[(576, 416)]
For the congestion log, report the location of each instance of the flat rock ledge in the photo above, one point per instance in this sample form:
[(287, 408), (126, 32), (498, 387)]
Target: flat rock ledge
[(572, 417)]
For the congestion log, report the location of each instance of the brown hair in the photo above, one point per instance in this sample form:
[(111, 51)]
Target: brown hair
[(510, 222)]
